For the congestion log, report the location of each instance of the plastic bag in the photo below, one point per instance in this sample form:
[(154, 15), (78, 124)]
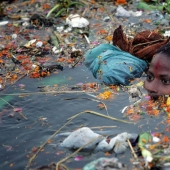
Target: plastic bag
[(113, 66), (104, 164)]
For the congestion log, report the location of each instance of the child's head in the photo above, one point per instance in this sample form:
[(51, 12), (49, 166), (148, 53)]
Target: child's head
[(158, 76)]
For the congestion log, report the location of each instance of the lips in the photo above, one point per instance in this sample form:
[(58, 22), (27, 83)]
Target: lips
[(155, 97)]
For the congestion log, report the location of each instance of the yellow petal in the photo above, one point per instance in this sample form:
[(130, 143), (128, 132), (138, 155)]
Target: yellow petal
[(168, 101)]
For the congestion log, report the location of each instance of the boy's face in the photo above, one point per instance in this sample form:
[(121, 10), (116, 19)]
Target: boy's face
[(158, 76)]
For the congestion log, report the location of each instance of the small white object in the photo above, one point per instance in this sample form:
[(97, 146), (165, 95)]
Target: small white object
[(43, 118), (0, 86), (39, 44), (68, 29), (148, 159), (29, 43), (34, 66), (123, 110), (76, 21), (14, 36), (106, 18), (4, 23), (25, 24), (147, 155), (66, 41), (167, 151), (88, 41), (25, 19), (55, 50), (167, 33), (60, 29), (155, 139), (122, 12), (147, 146), (75, 49), (167, 164), (136, 14)]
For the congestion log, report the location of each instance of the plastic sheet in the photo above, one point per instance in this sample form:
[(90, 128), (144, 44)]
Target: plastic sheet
[(113, 66)]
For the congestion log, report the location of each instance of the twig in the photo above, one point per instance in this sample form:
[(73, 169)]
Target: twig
[(42, 146), (14, 82), (14, 108), (99, 114), (132, 150), (95, 101), (50, 92), (99, 127), (148, 42), (85, 2), (23, 115), (88, 41), (79, 60), (102, 103), (62, 165), (59, 37), (69, 120), (7, 103)]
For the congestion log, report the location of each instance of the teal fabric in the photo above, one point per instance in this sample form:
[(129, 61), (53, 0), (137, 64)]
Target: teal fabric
[(112, 65)]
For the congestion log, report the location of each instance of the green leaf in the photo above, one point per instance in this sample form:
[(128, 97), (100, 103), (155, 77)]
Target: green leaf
[(60, 12), (144, 138), (52, 10), (145, 6), (76, 3), (167, 1)]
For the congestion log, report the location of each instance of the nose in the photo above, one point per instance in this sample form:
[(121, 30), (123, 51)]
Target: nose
[(151, 87)]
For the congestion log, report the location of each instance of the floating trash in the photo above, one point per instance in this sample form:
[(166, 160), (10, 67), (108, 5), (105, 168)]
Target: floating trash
[(77, 21)]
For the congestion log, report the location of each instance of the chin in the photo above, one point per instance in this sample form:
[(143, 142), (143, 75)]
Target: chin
[(155, 97)]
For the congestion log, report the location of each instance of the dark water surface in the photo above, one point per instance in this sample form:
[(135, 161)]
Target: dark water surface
[(19, 136), (22, 135)]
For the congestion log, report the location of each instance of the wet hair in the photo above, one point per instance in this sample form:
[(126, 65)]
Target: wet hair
[(165, 49)]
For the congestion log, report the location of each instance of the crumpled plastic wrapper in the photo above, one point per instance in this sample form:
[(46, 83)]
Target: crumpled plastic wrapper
[(77, 21), (144, 45), (105, 164)]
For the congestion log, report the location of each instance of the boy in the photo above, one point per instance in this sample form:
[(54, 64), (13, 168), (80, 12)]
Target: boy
[(158, 76)]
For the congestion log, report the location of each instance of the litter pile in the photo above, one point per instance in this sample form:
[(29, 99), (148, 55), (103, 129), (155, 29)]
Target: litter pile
[(36, 44)]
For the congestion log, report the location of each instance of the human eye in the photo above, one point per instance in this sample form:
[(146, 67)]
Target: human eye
[(149, 77), (165, 81)]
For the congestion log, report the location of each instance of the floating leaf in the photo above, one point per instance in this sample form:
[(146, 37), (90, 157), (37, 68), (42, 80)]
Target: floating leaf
[(7, 147), (147, 156), (106, 95), (121, 2), (140, 84), (144, 138), (11, 165), (101, 106), (78, 158), (168, 101), (165, 139), (17, 109), (59, 152), (21, 86)]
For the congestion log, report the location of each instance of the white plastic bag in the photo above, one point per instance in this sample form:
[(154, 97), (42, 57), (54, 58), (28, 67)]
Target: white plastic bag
[(77, 21)]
